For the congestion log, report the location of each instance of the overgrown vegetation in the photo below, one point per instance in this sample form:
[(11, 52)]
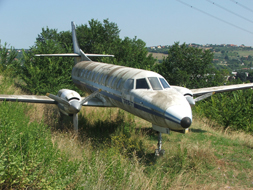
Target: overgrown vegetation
[(231, 109), (28, 157), (110, 153)]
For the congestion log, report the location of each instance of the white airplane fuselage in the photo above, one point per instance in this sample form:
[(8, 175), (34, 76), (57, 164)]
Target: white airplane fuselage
[(143, 93)]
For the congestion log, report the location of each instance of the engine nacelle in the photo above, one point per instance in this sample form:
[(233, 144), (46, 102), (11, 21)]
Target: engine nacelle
[(186, 93), (70, 96)]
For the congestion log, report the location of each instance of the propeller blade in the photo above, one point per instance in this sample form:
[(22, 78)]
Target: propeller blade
[(190, 100), (75, 122), (204, 96), (90, 96), (58, 99)]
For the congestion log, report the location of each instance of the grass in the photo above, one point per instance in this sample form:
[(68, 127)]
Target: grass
[(115, 150)]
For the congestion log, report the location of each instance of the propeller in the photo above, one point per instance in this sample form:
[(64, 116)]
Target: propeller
[(73, 106), (204, 96), (193, 101)]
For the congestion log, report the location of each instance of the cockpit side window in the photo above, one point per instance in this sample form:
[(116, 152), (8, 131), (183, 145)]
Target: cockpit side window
[(141, 84), (155, 83), (164, 83), (129, 84)]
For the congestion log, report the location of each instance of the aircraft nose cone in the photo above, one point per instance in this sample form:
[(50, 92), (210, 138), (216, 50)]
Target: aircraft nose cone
[(186, 122)]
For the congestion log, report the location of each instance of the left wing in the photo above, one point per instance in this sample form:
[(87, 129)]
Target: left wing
[(217, 89), (28, 98), (94, 101)]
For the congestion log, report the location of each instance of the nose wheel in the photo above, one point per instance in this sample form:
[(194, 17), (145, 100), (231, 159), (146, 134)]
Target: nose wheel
[(159, 151)]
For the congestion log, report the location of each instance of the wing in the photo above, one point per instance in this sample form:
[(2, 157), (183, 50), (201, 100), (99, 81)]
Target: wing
[(28, 98), (217, 89), (46, 100)]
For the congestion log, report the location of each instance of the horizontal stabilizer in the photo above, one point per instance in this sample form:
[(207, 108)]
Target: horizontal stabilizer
[(72, 55), (99, 55), (58, 55)]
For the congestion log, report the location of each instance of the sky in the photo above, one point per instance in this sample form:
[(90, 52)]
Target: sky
[(156, 22)]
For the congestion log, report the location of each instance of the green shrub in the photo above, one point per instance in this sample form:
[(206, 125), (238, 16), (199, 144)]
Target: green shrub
[(28, 158), (232, 109)]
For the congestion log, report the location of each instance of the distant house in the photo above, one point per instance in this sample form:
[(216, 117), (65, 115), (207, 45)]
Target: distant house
[(159, 47), (232, 45)]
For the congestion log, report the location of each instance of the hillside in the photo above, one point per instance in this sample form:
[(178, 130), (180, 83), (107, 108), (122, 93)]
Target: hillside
[(115, 150), (230, 57)]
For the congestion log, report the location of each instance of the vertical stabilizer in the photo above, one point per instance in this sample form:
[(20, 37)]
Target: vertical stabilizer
[(76, 47)]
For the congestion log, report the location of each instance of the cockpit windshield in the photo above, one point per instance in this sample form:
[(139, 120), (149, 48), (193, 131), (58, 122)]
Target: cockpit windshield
[(141, 84), (164, 83), (155, 83)]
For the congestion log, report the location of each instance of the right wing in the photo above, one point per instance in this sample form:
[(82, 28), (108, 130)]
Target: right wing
[(218, 89)]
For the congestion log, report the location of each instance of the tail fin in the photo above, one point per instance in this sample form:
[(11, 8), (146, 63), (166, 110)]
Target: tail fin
[(78, 53), (76, 47)]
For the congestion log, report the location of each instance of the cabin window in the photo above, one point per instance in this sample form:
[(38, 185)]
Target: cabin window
[(164, 83), (105, 79), (96, 76), (92, 74), (141, 84), (88, 74), (155, 83), (113, 81), (100, 77), (86, 71), (82, 71), (119, 83), (129, 84), (109, 80)]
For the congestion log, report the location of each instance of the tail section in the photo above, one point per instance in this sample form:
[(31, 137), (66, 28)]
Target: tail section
[(77, 50), (78, 54)]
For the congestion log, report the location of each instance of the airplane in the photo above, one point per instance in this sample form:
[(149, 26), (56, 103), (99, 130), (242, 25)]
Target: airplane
[(143, 93)]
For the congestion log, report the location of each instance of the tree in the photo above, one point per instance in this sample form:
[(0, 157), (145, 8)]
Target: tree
[(241, 75), (7, 59), (188, 66), (46, 74)]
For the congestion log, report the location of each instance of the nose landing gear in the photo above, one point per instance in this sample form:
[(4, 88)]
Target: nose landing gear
[(159, 151)]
